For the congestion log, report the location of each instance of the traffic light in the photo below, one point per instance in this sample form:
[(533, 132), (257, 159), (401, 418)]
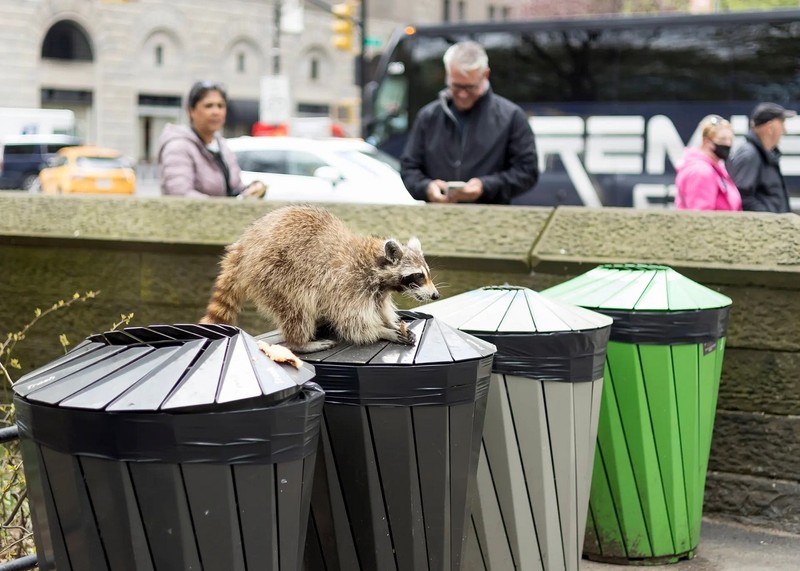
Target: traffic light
[(343, 25)]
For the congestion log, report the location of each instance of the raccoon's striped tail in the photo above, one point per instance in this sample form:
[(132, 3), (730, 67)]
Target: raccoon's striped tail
[(226, 297)]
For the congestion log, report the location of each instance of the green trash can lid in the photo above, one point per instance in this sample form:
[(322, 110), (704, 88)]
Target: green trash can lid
[(509, 309), (637, 287)]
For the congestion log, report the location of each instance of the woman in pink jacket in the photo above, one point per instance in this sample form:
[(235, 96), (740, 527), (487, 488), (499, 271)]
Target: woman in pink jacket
[(195, 160), (703, 182)]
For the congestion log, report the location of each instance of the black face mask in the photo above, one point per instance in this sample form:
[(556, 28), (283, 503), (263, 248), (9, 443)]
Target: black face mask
[(722, 151)]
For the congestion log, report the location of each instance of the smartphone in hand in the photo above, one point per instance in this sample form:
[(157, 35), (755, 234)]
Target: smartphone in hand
[(454, 185)]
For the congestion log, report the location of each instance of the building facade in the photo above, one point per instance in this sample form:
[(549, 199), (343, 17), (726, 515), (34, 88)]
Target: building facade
[(124, 67)]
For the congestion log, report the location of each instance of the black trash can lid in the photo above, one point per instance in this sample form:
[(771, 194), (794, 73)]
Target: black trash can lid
[(437, 342), (163, 367), (445, 366), (637, 287), (513, 310)]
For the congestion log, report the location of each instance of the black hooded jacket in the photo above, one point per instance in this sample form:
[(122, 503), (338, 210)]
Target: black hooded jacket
[(496, 145), (758, 177)]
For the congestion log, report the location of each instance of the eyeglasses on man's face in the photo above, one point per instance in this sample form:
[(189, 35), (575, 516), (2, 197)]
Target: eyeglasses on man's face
[(467, 87)]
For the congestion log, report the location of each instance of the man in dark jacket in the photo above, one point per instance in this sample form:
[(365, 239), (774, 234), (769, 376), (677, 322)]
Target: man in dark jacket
[(754, 166), (470, 145)]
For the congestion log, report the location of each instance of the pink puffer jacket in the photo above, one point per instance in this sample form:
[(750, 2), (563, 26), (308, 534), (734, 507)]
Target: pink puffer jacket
[(704, 184), (187, 168)]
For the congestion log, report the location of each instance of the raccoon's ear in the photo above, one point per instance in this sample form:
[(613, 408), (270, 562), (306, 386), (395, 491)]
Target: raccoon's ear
[(392, 250), (414, 244)]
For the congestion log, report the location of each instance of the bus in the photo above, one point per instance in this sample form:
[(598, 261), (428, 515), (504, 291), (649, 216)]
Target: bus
[(614, 100)]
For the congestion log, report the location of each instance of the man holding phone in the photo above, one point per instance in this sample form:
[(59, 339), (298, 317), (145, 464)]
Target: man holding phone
[(469, 145)]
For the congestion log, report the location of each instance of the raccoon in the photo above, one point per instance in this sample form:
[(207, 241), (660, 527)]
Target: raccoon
[(305, 268)]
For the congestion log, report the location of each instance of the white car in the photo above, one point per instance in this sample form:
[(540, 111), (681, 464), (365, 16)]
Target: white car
[(320, 170)]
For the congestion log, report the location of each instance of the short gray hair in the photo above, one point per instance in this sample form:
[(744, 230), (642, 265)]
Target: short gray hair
[(466, 56)]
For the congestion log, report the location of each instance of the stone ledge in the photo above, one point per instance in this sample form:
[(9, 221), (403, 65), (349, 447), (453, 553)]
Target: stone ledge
[(456, 235), (758, 381), (756, 444), (710, 247), (752, 500)]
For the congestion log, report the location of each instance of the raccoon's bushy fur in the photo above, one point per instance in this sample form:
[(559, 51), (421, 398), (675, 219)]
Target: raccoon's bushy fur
[(303, 267)]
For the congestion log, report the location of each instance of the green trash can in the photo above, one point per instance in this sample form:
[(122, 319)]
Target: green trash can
[(535, 466), (657, 414)]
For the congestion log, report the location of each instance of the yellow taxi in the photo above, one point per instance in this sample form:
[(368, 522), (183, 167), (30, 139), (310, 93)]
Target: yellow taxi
[(87, 169)]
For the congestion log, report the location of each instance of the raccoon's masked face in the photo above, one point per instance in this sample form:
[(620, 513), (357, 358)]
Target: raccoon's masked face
[(410, 271)]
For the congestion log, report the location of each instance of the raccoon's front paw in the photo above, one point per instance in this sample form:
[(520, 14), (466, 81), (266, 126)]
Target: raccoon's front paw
[(405, 336)]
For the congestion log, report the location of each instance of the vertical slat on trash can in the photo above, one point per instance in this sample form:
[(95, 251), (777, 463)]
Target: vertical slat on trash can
[(169, 447), (661, 384), (529, 509), (49, 539), (165, 512), (111, 490), (74, 510), (399, 450)]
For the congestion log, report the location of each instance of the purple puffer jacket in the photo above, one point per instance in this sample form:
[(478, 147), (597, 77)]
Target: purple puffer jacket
[(187, 168)]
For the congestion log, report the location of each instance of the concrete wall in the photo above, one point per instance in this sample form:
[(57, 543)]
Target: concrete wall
[(158, 258)]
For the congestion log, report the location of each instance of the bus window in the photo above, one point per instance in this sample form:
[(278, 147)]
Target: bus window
[(688, 63), (543, 65), (767, 62)]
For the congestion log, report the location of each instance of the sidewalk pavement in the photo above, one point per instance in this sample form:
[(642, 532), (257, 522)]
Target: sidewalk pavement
[(726, 546)]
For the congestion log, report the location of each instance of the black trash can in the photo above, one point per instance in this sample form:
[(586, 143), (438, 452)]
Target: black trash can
[(166, 448), (400, 442), (542, 412)]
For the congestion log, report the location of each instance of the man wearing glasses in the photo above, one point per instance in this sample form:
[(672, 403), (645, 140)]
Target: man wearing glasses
[(470, 145), (754, 166)]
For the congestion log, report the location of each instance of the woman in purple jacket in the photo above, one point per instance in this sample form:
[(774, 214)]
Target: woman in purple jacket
[(196, 161), (702, 181)]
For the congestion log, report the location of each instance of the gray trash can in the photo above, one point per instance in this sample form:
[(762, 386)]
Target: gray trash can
[(536, 459), (166, 448), (400, 442)]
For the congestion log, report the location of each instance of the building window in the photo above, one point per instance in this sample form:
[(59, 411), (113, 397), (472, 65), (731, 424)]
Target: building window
[(462, 10), (313, 71), (67, 40), (240, 62), (506, 12), (492, 9), (159, 53)]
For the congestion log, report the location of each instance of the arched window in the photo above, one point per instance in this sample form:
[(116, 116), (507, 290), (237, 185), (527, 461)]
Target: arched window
[(67, 40), (159, 53), (313, 72)]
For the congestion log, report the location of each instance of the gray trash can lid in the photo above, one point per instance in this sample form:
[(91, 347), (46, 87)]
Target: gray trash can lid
[(536, 337), (513, 310), (163, 367)]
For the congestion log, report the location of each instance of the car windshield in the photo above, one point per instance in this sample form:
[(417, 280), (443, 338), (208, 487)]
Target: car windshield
[(100, 162), (379, 155), (367, 161)]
